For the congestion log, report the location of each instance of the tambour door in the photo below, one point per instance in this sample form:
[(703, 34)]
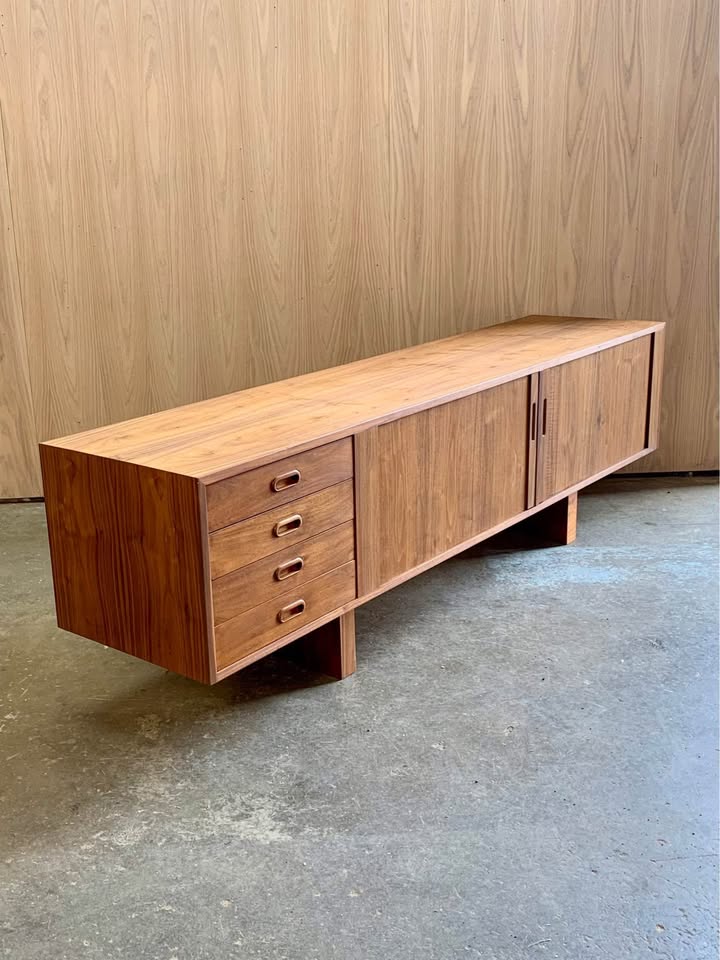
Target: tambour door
[(433, 480), (592, 415)]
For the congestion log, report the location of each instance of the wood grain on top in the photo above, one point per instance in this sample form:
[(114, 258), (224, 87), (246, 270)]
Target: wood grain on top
[(217, 438)]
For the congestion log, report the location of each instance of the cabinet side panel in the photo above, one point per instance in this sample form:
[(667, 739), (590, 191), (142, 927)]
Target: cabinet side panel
[(434, 479), (126, 544)]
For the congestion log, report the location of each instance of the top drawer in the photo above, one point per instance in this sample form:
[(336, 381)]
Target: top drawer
[(277, 483)]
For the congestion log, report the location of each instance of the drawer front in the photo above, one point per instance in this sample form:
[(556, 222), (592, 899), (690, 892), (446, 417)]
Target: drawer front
[(256, 628), (286, 570), (276, 483), (243, 543)]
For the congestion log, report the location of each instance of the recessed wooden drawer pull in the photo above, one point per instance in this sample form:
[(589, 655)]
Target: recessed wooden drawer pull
[(286, 480), (283, 527), (291, 610), (289, 569)]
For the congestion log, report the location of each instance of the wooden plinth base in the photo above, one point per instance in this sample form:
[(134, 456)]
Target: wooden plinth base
[(555, 526), (330, 649)]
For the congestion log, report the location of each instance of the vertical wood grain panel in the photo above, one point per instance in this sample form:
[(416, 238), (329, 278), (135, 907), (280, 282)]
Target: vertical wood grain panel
[(109, 336), (684, 290), (465, 136), (630, 192), (430, 481), (443, 61), (39, 106), (210, 195), (341, 119), (19, 463), (562, 158), (202, 196), (274, 230), (126, 572), (156, 94), (593, 414)]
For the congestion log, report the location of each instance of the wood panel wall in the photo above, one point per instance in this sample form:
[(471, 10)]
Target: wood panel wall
[(199, 197), (19, 466)]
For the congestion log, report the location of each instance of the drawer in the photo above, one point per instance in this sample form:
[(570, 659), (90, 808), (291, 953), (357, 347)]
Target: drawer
[(262, 625), (283, 571), (243, 543), (276, 483)]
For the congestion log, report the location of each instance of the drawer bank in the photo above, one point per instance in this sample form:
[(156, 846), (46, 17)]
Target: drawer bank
[(205, 537)]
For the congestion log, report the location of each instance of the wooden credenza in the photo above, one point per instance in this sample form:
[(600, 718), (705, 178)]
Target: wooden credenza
[(205, 537)]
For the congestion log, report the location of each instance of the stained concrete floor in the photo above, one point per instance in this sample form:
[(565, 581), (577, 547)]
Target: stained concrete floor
[(525, 765)]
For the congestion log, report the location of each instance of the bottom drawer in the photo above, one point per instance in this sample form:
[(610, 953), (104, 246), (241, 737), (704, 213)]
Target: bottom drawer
[(256, 628)]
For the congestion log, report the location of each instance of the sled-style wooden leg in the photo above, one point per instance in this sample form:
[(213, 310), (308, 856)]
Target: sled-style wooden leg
[(556, 525), (552, 527), (330, 649)]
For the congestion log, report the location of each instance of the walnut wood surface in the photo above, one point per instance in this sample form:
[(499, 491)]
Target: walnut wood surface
[(19, 463), (133, 559), (243, 543), (216, 438), (252, 492), (127, 547), (259, 627), (593, 413), (242, 589), (438, 477)]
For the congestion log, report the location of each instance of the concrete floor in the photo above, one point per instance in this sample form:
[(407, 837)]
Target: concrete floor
[(525, 765)]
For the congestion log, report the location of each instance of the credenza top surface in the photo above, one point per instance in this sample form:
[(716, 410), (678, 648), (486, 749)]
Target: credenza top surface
[(217, 438)]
